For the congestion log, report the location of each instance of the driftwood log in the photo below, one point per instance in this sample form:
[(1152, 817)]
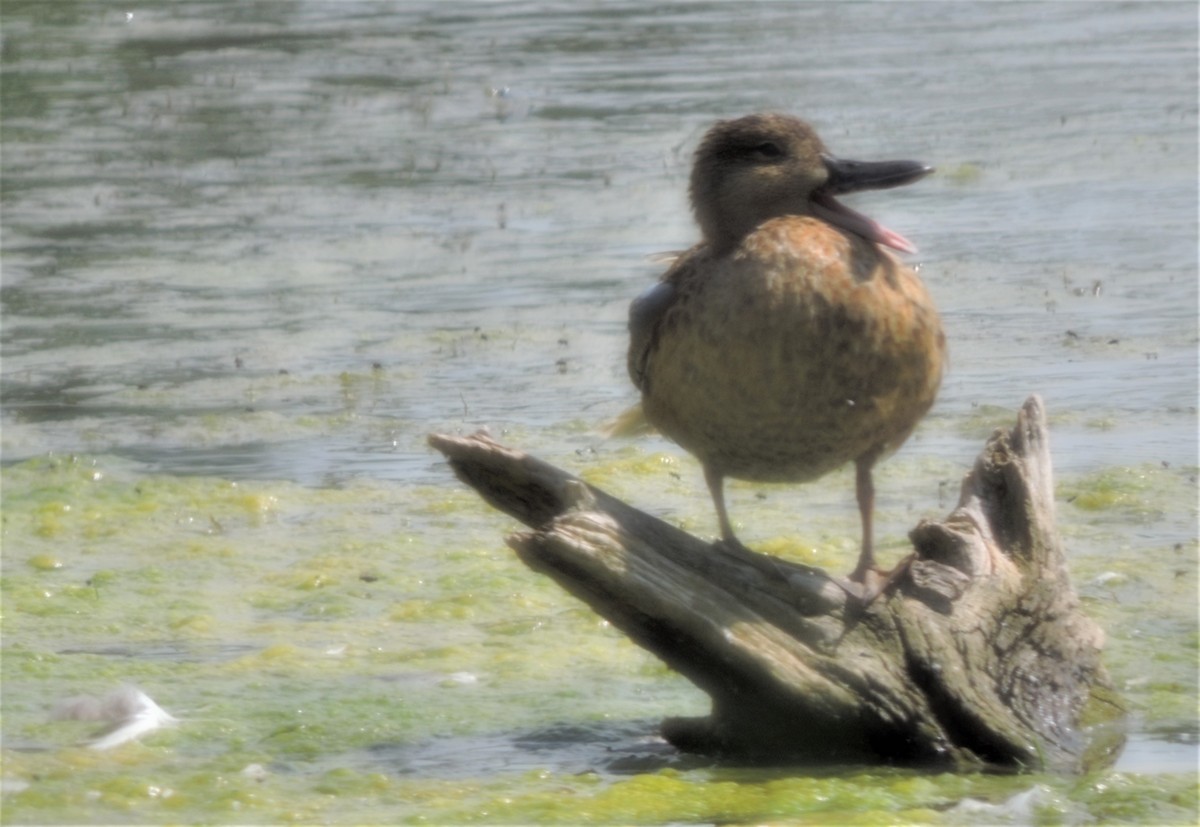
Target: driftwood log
[(978, 656)]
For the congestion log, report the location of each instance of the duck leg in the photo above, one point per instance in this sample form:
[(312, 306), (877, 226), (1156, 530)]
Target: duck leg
[(864, 489), (716, 487), (874, 581), (766, 564)]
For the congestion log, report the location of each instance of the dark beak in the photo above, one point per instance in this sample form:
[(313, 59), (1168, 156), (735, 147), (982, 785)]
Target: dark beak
[(852, 176)]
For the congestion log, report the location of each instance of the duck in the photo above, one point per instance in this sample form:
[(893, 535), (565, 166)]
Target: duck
[(790, 340)]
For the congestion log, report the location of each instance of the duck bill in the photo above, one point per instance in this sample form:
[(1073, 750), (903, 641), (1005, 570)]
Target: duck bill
[(851, 176)]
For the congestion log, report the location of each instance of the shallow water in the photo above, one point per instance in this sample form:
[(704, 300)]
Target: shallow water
[(254, 253)]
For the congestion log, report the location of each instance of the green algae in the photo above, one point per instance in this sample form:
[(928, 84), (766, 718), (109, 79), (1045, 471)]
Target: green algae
[(982, 421), (284, 625), (1142, 494), (304, 635), (1131, 541), (963, 174), (300, 631)]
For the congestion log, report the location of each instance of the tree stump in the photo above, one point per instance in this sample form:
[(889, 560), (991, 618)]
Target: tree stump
[(978, 656)]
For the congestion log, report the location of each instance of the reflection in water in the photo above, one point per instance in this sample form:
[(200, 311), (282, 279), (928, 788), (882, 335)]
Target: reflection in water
[(606, 749)]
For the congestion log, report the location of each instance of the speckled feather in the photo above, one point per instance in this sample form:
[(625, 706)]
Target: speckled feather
[(802, 349)]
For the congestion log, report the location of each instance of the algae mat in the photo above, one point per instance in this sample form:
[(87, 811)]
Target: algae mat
[(373, 653)]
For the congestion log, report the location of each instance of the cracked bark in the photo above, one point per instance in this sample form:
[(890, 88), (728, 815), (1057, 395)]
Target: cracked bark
[(980, 655)]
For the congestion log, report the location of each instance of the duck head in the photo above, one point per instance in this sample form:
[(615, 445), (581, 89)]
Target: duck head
[(759, 167)]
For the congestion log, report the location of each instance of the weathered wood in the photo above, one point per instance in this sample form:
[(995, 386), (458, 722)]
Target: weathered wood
[(980, 654)]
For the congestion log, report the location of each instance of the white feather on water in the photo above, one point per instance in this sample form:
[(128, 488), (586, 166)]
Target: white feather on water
[(129, 712)]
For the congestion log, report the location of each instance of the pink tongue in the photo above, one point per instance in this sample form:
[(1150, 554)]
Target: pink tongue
[(829, 209)]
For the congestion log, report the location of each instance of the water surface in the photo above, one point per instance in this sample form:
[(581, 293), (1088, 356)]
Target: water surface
[(254, 253)]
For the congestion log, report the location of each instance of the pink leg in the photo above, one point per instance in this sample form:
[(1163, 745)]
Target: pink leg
[(874, 582), (865, 490)]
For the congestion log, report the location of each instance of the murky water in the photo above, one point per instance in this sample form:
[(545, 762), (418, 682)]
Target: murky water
[(284, 241), (198, 200)]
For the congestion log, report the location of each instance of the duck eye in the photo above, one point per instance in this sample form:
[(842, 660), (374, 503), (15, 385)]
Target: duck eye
[(768, 150)]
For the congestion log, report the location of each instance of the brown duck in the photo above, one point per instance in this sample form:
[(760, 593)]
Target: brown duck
[(787, 342)]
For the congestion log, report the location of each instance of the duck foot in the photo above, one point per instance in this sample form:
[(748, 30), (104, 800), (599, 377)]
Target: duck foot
[(871, 582)]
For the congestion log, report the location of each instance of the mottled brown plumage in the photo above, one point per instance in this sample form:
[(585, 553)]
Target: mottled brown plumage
[(787, 342)]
